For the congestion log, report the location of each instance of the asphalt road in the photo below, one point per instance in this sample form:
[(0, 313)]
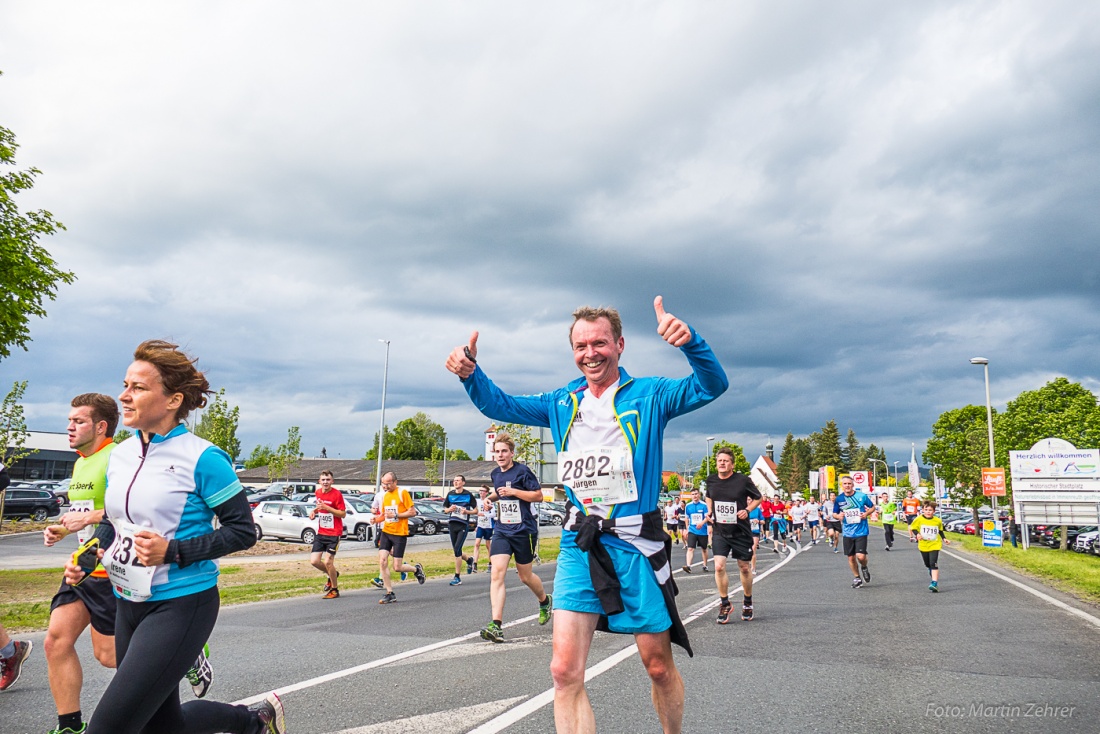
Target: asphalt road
[(983, 655)]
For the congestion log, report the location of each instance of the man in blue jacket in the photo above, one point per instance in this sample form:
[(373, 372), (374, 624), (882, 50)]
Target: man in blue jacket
[(614, 569)]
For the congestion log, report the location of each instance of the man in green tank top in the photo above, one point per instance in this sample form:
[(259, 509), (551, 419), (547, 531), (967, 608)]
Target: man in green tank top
[(889, 510), (92, 423)]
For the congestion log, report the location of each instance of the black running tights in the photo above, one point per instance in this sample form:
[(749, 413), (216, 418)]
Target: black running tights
[(155, 644)]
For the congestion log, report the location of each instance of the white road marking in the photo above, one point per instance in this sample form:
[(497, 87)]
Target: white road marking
[(372, 664), (452, 721), (479, 648), (530, 706), (1045, 597), (544, 698)]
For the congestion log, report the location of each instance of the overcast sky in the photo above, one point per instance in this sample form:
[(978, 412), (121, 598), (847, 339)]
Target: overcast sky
[(847, 199)]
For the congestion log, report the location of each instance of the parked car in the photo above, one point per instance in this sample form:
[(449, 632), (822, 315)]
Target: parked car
[(288, 488), (30, 501), (1085, 541), (1052, 536), (431, 516), (258, 497), (58, 487), (282, 519), (551, 513)]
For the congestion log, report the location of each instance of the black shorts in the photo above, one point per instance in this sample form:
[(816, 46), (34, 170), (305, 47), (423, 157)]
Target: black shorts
[(520, 546), (394, 544), (326, 544), (853, 546), (673, 527), (931, 559), (98, 599), (737, 544), (796, 526), (697, 541), (836, 525), (458, 531)]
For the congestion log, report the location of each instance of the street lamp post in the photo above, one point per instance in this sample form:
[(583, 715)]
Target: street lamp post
[(989, 423), (382, 428), (444, 463), (896, 473), (709, 439), (874, 476)]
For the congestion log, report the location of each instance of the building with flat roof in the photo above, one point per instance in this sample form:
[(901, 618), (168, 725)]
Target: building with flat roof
[(51, 458)]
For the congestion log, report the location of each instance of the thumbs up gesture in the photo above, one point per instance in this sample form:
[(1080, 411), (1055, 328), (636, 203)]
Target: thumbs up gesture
[(462, 360), (672, 330)]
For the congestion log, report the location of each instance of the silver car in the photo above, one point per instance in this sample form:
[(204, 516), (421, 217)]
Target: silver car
[(284, 520)]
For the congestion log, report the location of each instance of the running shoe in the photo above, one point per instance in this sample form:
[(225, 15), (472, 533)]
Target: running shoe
[(69, 730), (475, 567), (270, 714), (544, 610), (328, 584), (333, 593), (705, 569), (724, 610), (746, 612), (377, 582), (470, 567), (775, 550), (934, 587), (687, 569), (887, 548), (456, 581), (836, 550), (389, 598), (419, 573), (404, 575), (867, 574), (857, 582), (492, 633), (10, 667), (201, 675)]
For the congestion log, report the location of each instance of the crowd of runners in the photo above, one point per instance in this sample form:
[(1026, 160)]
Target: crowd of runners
[(153, 513)]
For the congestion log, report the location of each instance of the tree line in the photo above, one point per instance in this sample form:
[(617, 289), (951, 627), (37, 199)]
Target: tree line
[(800, 456)]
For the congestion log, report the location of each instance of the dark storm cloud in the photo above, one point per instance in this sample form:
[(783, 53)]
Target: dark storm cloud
[(847, 201)]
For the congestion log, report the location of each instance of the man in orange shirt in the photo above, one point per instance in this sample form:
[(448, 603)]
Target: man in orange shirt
[(397, 508), (910, 507)]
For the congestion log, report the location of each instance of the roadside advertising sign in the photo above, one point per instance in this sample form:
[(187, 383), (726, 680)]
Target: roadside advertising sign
[(992, 535), (993, 482), (862, 480)]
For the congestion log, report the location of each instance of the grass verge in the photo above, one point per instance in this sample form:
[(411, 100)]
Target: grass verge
[(25, 595), (1074, 573)]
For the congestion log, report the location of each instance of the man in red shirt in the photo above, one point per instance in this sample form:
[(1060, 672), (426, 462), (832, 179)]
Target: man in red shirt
[(330, 512)]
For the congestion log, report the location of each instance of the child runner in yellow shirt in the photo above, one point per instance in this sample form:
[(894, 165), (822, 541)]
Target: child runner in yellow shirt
[(927, 530)]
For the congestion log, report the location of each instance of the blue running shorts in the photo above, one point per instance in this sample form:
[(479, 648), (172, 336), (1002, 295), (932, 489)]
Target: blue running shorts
[(644, 603)]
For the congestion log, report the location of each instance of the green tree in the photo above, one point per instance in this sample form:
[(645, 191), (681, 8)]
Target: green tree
[(121, 435), (960, 446), (286, 455), (826, 446), (457, 455), (786, 460), (740, 463), (218, 425), (1060, 409), (260, 456), (13, 432), (852, 453), (412, 439), (13, 428), (28, 274), (528, 446), (673, 483)]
